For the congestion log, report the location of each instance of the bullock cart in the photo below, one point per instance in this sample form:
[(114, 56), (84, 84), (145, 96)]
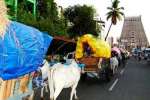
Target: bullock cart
[(95, 54), (94, 66)]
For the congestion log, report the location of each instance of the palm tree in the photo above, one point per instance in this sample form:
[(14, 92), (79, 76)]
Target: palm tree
[(114, 14)]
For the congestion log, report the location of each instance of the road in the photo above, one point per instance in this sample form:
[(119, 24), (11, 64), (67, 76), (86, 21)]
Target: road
[(131, 83)]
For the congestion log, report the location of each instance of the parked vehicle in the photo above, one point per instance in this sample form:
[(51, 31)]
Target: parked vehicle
[(147, 54), (134, 52)]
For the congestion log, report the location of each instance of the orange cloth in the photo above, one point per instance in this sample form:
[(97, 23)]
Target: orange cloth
[(7, 87), (24, 84)]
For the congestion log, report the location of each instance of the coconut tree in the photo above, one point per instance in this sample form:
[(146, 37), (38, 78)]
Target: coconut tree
[(115, 13)]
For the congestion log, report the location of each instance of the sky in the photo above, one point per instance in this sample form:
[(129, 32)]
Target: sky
[(132, 8)]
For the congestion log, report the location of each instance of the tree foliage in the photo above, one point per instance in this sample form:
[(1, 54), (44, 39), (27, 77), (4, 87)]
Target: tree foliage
[(115, 13), (47, 18), (81, 20)]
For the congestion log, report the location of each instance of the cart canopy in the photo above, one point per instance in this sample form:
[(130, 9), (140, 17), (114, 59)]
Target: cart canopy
[(99, 47), (22, 50)]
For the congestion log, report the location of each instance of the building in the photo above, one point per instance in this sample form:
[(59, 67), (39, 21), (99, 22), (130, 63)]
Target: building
[(133, 34)]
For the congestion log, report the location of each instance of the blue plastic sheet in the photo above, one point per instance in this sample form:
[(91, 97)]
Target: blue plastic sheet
[(22, 50)]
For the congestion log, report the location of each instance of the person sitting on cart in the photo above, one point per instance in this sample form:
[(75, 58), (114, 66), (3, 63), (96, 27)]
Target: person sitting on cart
[(87, 50)]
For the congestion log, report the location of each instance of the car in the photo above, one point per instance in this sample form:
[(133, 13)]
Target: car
[(134, 52), (146, 54)]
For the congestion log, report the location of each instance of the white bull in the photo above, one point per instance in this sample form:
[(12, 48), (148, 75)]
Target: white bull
[(60, 76), (114, 64), (64, 76)]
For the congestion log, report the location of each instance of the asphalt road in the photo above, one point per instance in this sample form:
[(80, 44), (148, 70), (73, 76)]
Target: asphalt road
[(130, 83)]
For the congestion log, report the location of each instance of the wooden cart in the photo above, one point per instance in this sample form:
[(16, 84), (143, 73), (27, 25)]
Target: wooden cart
[(97, 65), (92, 64)]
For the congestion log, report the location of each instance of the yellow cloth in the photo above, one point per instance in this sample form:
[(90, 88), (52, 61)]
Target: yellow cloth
[(99, 47)]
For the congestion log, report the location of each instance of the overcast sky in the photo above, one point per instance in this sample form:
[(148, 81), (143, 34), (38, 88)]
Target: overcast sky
[(132, 8)]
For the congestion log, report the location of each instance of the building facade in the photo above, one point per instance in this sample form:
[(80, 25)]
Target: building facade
[(133, 34)]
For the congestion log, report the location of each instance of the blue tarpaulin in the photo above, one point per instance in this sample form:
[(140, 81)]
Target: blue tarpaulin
[(22, 50)]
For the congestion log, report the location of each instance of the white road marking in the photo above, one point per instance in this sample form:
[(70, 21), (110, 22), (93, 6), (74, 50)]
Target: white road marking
[(122, 71), (113, 85)]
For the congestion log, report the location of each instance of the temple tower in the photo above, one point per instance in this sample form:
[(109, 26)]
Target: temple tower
[(133, 33)]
